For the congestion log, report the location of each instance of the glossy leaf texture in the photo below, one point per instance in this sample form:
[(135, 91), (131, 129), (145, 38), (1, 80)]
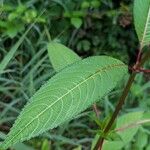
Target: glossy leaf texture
[(142, 21), (61, 56), (65, 95)]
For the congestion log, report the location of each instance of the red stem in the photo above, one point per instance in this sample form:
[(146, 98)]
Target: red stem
[(137, 66), (144, 70)]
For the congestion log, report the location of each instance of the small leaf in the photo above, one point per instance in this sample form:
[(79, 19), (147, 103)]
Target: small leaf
[(84, 45), (14, 29), (141, 140), (105, 122), (95, 3), (142, 21), (113, 145), (21, 146), (77, 22), (61, 56), (113, 136), (78, 148), (12, 16), (125, 135), (85, 5), (125, 120), (108, 145), (21, 9), (98, 122), (146, 116), (65, 95), (46, 145)]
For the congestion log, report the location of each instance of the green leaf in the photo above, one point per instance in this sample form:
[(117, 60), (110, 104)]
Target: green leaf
[(13, 16), (113, 145), (141, 140), (21, 9), (148, 147), (78, 148), (77, 22), (84, 45), (146, 116), (61, 56), (142, 21), (65, 95), (125, 120), (108, 145), (13, 29), (95, 3), (46, 145), (21, 146), (85, 5), (125, 132)]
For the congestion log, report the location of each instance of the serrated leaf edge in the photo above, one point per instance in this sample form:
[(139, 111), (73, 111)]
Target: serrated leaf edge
[(84, 81)]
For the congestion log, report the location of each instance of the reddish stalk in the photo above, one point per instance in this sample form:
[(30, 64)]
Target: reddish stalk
[(96, 110), (136, 68)]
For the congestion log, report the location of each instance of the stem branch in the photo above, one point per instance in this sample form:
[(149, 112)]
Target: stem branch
[(122, 99)]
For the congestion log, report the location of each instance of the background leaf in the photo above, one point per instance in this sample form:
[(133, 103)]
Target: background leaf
[(22, 147), (12, 51), (142, 21), (14, 48), (66, 94), (46, 145), (66, 56), (126, 135), (76, 22)]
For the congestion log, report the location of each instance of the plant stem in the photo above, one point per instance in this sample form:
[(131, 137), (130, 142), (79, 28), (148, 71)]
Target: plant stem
[(96, 110), (48, 34), (118, 108), (122, 99)]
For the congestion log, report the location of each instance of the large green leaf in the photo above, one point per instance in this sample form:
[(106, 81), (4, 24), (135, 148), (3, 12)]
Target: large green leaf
[(61, 56), (68, 93), (142, 21)]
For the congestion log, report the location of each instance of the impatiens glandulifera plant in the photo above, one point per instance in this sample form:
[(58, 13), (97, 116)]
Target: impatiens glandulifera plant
[(141, 15), (77, 85), (69, 92)]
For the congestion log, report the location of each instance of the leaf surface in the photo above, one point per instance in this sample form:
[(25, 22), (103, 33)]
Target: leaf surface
[(61, 56), (65, 95), (77, 22), (142, 21), (126, 134)]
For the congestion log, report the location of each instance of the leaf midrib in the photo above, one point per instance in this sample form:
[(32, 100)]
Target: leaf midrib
[(145, 29), (80, 83)]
